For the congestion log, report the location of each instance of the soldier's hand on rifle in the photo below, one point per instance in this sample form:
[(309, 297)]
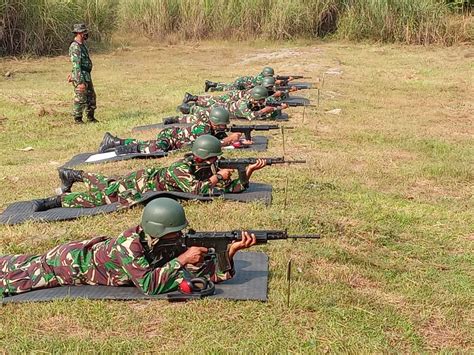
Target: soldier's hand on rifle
[(193, 256), (247, 142), (222, 174), (267, 109), (225, 173), (247, 241), (69, 78), (231, 138), (293, 88), (283, 106), (254, 167)]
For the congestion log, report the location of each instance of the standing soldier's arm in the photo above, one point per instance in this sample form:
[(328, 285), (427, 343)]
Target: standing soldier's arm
[(75, 53)]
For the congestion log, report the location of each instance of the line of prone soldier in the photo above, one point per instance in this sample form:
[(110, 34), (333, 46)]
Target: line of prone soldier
[(156, 255)]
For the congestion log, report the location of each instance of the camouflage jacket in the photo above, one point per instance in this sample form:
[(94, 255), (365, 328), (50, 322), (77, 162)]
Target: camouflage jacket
[(243, 109), (175, 137), (99, 261), (81, 62), (248, 82), (201, 115), (184, 176), (233, 95)]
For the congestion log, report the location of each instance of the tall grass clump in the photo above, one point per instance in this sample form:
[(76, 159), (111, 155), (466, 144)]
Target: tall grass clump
[(44, 26), (241, 19), (405, 21)]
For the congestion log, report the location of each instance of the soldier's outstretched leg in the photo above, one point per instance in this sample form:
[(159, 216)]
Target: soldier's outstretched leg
[(103, 190), (109, 142), (22, 273), (68, 177), (91, 102), (209, 84), (80, 101)]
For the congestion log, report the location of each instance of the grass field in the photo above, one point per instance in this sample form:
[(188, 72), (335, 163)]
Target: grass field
[(388, 184)]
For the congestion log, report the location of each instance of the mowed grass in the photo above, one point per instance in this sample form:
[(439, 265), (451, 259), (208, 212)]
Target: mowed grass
[(388, 184)]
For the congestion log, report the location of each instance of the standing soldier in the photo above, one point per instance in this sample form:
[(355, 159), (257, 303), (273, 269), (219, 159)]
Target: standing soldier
[(84, 94)]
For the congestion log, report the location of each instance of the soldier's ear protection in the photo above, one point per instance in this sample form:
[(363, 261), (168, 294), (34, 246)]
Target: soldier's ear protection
[(197, 286)]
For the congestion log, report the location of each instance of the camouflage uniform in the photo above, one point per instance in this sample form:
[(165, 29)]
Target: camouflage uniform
[(172, 138), (230, 96), (201, 116), (241, 83), (237, 109), (121, 261), (81, 74), (180, 176)]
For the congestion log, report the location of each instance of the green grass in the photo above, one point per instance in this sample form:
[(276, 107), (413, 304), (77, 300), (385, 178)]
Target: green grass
[(388, 184)]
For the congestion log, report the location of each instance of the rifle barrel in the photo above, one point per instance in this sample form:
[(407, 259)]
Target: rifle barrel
[(305, 236)]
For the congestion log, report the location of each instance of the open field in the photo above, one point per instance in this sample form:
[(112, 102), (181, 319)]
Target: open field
[(389, 185)]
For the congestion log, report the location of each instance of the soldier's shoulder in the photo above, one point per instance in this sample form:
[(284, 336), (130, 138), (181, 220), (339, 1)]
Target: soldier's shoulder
[(74, 44)]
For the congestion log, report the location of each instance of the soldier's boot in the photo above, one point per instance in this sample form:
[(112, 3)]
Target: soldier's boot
[(78, 120), (184, 108), (91, 118), (170, 120), (45, 204), (127, 149), (209, 84), (109, 142), (69, 177), (189, 97)]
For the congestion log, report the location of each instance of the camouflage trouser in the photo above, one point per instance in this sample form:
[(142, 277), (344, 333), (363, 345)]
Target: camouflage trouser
[(224, 87), (244, 82), (201, 111), (150, 146), (84, 100), (21, 273), (103, 190), (206, 101)]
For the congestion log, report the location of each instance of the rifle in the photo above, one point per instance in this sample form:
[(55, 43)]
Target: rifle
[(300, 86), (286, 77), (241, 165), (219, 241), (289, 103), (246, 129)]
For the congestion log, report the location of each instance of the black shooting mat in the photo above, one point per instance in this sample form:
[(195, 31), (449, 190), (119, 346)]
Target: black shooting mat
[(260, 144), (159, 126), (302, 101), (19, 212), (282, 117), (249, 283), (108, 157), (301, 86)]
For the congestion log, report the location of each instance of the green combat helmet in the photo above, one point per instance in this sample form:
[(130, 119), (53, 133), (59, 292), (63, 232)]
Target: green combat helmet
[(207, 146), (268, 81), (267, 71), (219, 116), (162, 216), (259, 93)]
